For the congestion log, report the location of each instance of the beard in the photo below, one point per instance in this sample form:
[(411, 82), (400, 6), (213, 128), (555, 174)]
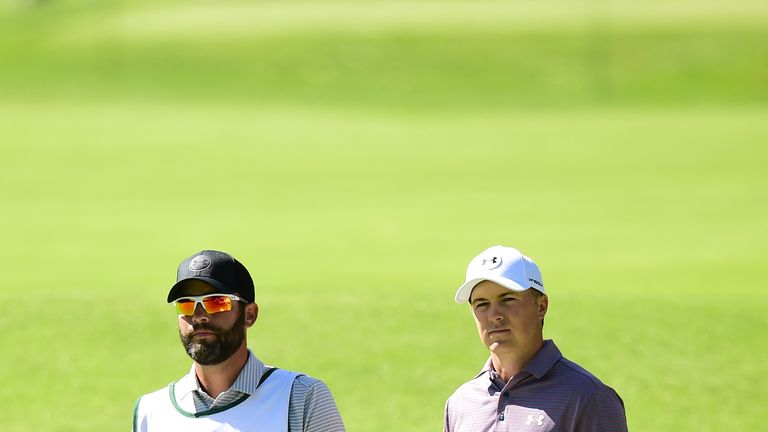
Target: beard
[(224, 343)]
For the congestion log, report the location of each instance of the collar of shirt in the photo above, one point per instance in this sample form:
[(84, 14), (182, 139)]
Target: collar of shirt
[(538, 366), (246, 382)]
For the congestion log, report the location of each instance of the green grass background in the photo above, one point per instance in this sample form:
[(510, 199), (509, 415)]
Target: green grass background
[(355, 156)]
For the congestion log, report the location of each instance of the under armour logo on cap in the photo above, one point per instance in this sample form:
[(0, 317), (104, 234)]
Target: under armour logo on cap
[(490, 262), (199, 263)]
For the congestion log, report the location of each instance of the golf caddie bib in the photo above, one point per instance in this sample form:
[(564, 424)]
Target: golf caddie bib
[(266, 410)]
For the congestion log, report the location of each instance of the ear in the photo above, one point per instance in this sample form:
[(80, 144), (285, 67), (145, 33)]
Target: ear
[(251, 314), (543, 304)]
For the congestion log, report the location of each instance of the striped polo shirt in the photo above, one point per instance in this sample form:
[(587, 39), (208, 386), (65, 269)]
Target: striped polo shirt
[(551, 393), (311, 407)]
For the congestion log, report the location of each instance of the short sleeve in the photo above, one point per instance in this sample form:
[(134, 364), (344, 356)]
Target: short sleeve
[(318, 410), (604, 412)]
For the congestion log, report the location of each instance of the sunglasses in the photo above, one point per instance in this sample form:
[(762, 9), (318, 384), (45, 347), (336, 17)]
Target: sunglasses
[(212, 303)]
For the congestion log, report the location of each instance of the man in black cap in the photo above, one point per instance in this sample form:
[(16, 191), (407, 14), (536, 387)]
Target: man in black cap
[(228, 388)]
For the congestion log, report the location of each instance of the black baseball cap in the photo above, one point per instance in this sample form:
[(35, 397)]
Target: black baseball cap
[(218, 269)]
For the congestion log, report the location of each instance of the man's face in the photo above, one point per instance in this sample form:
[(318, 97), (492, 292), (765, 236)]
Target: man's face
[(508, 321), (211, 339)]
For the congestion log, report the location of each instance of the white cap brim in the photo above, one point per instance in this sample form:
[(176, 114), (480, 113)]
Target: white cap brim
[(465, 290)]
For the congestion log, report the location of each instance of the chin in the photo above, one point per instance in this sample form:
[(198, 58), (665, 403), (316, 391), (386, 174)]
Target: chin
[(498, 347)]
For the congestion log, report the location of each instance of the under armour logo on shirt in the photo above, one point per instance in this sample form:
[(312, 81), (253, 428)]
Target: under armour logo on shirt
[(539, 419)]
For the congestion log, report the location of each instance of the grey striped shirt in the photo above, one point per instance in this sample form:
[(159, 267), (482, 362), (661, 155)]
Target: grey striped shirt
[(311, 407), (551, 393)]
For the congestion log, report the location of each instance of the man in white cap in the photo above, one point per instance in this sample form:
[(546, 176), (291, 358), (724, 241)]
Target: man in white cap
[(526, 384)]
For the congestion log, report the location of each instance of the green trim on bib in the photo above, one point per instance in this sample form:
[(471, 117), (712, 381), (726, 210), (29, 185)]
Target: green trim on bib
[(181, 411), (136, 415)]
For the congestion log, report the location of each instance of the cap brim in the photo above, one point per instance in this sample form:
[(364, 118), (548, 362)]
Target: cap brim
[(175, 291), (465, 290)]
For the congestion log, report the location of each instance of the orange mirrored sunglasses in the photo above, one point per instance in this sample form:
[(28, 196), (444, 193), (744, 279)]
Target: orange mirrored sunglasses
[(212, 303)]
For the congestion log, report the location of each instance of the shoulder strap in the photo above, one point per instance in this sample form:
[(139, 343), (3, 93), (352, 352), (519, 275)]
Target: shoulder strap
[(266, 375), (264, 378)]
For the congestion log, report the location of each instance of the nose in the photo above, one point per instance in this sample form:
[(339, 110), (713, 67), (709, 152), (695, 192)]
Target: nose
[(495, 313), (200, 314)]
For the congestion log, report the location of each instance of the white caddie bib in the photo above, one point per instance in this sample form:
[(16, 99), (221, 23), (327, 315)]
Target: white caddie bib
[(266, 410)]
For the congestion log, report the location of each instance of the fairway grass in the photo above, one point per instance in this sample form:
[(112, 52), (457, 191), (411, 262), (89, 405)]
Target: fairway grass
[(649, 226), (395, 55), (355, 156), (205, 21)]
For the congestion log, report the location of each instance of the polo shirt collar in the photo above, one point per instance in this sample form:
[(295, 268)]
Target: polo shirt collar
[(543, 361), (253, 368), (538, 366)]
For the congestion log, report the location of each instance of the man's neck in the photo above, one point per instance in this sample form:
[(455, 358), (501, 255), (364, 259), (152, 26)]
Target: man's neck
[(216, 379), (508, 364)]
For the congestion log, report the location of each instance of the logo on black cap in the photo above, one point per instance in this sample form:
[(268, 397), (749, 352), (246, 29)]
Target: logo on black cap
[(199, 263)]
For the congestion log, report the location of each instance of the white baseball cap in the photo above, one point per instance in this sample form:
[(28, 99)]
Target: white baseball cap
[(505, 266)]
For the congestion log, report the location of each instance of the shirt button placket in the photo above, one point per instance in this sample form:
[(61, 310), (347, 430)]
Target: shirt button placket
[(502, 405)]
